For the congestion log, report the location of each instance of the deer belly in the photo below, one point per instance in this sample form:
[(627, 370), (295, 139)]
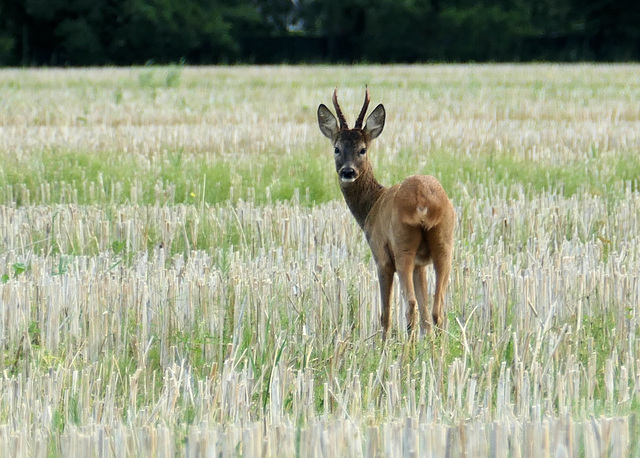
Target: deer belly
[(423, 255)]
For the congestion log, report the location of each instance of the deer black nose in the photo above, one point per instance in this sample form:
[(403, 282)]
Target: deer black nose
[(347, 174)]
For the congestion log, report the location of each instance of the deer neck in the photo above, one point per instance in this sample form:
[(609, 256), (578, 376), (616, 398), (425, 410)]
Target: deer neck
[(361, 195)]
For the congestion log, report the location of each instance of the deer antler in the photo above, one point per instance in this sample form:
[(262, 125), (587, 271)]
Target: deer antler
[(364, 110), (341, 118)]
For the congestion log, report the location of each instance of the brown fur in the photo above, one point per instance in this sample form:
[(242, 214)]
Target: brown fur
[(408, 226)]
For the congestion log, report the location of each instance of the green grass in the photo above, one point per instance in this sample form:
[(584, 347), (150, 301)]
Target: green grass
[(176, 253), (175, 178), (106, 178)]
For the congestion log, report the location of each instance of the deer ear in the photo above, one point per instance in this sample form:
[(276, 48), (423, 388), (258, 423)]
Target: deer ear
[(327, 122), (375, 122)]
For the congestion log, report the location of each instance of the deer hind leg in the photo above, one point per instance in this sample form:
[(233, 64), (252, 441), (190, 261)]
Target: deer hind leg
[(420, 286), (442, 267), (385, 278), (406, 271)]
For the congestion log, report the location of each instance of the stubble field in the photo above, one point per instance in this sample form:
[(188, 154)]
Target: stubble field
[(179, 275)]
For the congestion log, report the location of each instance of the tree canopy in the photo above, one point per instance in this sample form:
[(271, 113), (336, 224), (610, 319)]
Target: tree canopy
[(126, 32)]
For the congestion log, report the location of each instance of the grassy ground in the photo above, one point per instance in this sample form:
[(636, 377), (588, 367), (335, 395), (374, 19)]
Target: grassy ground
[(179, 273)]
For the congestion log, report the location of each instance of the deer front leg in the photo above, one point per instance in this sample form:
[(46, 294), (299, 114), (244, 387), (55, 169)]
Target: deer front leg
[(385, 278)]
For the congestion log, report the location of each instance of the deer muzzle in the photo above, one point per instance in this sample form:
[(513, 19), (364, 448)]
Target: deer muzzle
[(347, 174)]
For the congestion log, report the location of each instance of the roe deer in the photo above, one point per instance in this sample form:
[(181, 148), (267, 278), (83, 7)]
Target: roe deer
[(408, 225)]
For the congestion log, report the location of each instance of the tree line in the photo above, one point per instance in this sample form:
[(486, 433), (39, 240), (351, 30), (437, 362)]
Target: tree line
[(132, 32)]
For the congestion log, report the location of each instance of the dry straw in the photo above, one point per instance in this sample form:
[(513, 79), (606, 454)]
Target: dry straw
[(247, 328)]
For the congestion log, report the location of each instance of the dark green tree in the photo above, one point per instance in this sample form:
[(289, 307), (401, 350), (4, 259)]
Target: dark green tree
[(125, 32)]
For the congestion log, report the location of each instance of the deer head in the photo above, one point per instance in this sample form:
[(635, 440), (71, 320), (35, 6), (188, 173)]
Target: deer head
[(351, 145)]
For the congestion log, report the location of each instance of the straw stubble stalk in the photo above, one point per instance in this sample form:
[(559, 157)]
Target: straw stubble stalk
[(81, 286), (135, 321)]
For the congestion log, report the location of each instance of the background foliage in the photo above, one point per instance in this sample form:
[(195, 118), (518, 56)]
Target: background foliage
[(125, 32)]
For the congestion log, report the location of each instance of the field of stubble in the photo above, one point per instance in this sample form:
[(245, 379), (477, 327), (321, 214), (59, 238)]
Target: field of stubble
[(179, 275)]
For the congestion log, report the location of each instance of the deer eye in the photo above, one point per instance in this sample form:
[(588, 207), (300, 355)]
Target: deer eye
[(336, 151), (363, 151)]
